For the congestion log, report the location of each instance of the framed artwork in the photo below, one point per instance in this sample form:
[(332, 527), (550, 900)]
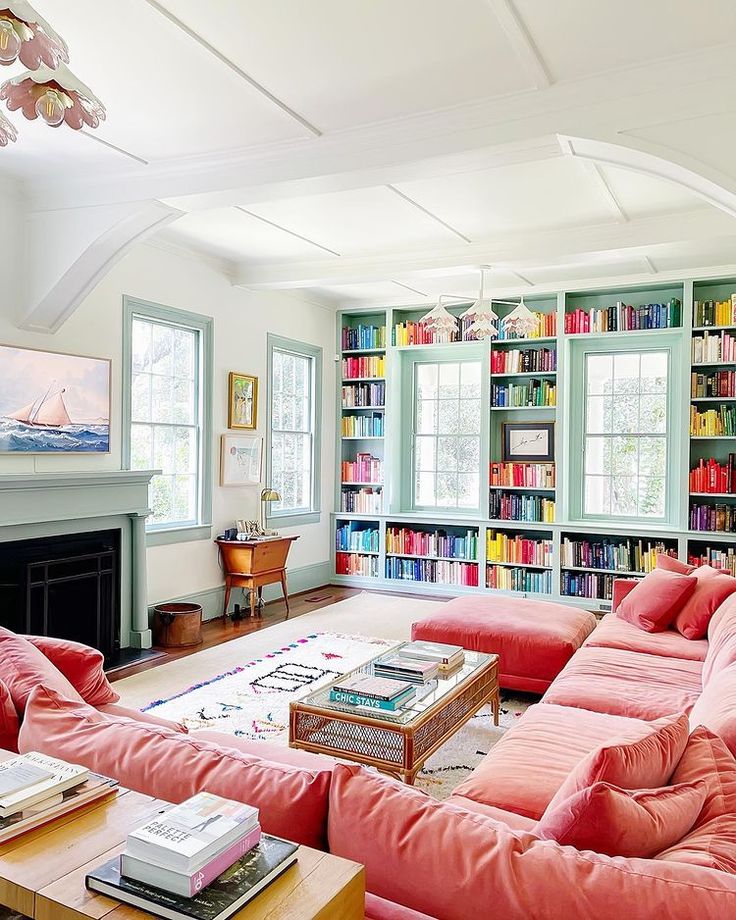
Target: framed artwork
[(52, 403), (241, 458), (242, 409), (532, 442)]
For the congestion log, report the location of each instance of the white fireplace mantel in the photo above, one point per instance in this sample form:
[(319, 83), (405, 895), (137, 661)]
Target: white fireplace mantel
[(68, 502)]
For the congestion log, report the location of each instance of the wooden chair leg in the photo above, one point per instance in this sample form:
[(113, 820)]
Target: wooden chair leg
[(252, 597), (227, 597), (285, 589)]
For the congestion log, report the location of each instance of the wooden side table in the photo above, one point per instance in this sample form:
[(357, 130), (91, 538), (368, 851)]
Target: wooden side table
[(253, 565), (42, 873)]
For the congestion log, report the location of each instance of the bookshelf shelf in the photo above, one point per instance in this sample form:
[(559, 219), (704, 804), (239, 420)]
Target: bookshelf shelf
[(499, 343), (713, 495), (713, 364), (713, 399), (375, 485), (358, 552), (527, 374), (363, 351), (357, 437), (432, 558), (712, 328), (713, 437), (523, 488), (347, 380), (520, 408), (363, 408), (520, 565), (581, 568)]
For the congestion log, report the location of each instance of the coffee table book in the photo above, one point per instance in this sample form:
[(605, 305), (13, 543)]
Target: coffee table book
[(224, 897), (94, 788), (58, 777)]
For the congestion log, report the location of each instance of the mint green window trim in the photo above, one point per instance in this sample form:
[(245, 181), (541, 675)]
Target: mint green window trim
[(434, 354), (579, 349), (134, 307), (314, 353)]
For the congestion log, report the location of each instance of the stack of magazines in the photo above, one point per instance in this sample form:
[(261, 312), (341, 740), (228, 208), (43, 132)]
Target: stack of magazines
[(395, 666), (203, 859), (36, 789), (449, 658)]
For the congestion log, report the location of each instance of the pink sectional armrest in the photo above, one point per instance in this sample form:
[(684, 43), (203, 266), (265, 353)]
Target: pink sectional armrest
[(622, 587), (379, 909)]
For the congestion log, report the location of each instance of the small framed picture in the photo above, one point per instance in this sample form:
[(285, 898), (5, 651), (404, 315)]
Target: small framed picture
[(242, 409), (241, 457), (532, 442)]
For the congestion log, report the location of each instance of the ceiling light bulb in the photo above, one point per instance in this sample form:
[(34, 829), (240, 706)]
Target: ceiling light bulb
[(51, 108), (10, 43)]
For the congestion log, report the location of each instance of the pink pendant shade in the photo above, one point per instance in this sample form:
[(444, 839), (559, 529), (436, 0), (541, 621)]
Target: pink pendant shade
[(56, 95), (32, 39), (8, 134)]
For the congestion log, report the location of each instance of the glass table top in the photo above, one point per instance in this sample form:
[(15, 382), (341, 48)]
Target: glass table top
[(427, 694)]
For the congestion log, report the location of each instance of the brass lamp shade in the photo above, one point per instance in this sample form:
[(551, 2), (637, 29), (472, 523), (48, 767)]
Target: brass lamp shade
[(270, 495)]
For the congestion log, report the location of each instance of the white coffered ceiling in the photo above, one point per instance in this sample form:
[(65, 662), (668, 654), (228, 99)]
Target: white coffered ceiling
[(330, 95)]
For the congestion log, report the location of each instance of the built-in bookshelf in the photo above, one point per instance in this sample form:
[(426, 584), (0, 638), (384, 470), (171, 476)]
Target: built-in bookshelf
[(524, 542)]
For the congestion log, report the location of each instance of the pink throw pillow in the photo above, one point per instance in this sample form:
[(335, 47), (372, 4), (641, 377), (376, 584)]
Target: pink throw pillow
[(715, 708), (654, 603), (24, 667), (670, 564), (171, 766), (712, 841), (617, 822), (82, 667), (711, 591), (9, 722), (644, 764)]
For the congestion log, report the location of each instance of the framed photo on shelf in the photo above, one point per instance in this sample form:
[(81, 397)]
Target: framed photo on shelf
[(242, 407), (528, 442), (241, 458)]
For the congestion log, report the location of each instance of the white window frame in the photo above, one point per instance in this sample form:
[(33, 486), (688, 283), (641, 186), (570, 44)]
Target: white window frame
[(311, 515)]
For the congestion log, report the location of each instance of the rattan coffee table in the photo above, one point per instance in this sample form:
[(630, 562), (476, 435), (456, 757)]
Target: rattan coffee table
[(396, 742)]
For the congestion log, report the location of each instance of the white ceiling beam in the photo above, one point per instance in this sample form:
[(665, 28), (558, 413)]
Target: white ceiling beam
[(429, 214), (413, 290), (521, 42), (513, 251), (430, 144), (121, 150), (286, 230), (650, 265), (195, 36)]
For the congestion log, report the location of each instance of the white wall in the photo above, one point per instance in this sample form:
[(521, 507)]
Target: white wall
[(242, 320)]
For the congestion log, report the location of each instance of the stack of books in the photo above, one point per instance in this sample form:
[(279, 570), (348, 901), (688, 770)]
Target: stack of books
[(36, 789), (203, 859), (396, 667), (448, 658), (377, 693)]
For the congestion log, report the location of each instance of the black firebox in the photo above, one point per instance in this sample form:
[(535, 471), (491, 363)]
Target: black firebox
[(66, 586)]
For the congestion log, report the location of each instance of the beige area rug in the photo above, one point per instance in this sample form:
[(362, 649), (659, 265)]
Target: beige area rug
[(170, 690)]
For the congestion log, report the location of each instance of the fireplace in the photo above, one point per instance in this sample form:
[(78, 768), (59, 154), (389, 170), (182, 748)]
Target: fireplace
[(64, 586)]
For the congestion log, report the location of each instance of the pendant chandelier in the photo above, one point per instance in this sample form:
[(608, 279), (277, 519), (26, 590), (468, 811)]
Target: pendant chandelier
[(520, 320), (26, 35), (439, 319), (482, 315), (48, 89)]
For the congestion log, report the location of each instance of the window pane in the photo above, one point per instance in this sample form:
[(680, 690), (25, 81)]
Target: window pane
[(626, 434), (164, 391), (291, 433), (447, 412)]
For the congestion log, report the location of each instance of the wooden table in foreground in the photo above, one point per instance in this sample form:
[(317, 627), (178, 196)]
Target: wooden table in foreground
[(42, 873), (397, 743)]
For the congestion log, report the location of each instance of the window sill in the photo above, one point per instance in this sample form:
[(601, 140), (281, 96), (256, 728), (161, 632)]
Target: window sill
[(293, 520), (179, 535)]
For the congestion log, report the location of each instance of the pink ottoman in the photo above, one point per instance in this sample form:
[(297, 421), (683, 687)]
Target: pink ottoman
[(534, 639)]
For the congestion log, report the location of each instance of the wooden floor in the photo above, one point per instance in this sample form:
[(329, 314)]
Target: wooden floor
[(215, 632)]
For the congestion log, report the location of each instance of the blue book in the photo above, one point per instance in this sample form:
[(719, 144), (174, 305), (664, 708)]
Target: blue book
[(370, 702)]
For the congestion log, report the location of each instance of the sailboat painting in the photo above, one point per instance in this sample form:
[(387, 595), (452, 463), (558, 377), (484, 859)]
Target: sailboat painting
[(53, 403)]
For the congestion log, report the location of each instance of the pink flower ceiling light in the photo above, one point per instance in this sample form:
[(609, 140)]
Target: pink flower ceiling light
[(48, 89), (481, 313)]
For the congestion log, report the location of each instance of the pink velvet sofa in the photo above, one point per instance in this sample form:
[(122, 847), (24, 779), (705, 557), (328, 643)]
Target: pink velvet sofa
[(475, 855)]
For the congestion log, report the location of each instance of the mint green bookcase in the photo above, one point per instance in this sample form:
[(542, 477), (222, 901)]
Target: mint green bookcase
[(674, 532)]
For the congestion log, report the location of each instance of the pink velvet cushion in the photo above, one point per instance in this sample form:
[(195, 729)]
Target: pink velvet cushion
[(644, 764), (670, 564), (712, 841), (9, 722), (173, 767), (618, 822), (711, 591), (721, 639), (716, 707), (23, 667), (82, 667), (653, 604), (113, 709), (611, 632)]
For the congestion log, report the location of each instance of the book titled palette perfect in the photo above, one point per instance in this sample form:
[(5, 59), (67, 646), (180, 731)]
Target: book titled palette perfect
[(224, 897)]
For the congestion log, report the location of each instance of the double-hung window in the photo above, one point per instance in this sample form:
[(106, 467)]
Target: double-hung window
[(624, 424), (167, 398), (295, 371), (447, 431)]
